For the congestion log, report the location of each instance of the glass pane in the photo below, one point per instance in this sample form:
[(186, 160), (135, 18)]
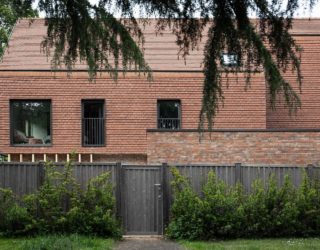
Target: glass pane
[(169, 114), (31, 122), (93, 123), (93, 110), (169, 109), (230, 59)]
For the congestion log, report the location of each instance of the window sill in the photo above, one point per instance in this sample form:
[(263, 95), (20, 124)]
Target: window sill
[(168, 129)]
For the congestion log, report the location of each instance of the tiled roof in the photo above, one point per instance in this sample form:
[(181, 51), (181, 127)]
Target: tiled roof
[(161, 52)]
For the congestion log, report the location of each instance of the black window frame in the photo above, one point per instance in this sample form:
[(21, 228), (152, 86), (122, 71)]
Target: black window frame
[(12, 144), (99, 101), (159, 101)]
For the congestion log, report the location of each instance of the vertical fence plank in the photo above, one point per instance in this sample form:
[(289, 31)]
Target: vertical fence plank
[(310, 171), (238, 173), (165, 194), (118, 184), (41, 174)]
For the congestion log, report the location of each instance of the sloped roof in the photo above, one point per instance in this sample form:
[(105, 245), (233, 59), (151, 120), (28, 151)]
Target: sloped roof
[(161, 52)]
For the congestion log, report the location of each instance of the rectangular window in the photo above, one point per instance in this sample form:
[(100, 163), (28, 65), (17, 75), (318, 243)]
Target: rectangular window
[(230, 60), (30, 122), (93, 128), (169, 114)]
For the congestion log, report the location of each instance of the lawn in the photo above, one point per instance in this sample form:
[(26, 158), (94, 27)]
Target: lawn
[(265, 244), (72, 242)]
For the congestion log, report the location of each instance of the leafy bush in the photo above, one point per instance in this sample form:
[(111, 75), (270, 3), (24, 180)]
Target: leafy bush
[(95, 211), (221, 203), (61, 206), (308, 202), (56, 196), (187, 220), (271, 211), (15, 219), (223, 211)]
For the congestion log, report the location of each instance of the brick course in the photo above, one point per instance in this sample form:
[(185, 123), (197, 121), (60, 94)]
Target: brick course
[(296, 148), (309, 114)]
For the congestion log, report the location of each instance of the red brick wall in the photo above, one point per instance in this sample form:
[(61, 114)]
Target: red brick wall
[(232, 147), (309, 115), (130, 107)]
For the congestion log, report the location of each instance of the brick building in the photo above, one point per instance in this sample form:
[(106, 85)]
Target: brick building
[(46, 115)]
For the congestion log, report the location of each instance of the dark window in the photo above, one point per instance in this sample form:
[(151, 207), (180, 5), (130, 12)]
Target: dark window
[(30, 122), (230, 60), (93, 131), (169, 113)]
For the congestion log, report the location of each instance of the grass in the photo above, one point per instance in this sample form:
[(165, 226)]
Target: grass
[(262, 244), (56, 242)]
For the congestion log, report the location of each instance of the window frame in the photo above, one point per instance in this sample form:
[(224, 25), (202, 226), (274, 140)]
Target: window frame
[(179, 113), (12, 144), (101, 101)]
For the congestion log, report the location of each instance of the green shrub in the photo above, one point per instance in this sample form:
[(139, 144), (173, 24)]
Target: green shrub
[(223, 211), (221, 203), (15, 219), (284, 211), (95, 211), (61, 206), (309, 207), (271, 211), (186, 211), (49, 206)]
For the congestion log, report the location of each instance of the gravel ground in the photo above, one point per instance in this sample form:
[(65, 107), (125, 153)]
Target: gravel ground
[(147, 244)]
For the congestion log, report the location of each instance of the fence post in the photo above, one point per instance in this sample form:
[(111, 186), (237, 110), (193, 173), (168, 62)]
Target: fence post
[(238, 174), (41, 173), (310, 171), (2, 180), (118, 173), (165, 194)]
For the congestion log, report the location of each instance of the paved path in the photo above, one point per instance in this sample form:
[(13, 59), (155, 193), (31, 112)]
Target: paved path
[(147, 244)]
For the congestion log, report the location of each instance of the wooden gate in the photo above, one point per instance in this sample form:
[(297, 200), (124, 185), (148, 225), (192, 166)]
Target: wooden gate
[(141, 200)]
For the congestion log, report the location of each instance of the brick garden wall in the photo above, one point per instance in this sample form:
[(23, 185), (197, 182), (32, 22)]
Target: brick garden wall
[(231, 147)]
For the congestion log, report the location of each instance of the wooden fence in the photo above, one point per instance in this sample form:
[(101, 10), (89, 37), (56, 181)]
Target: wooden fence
[(246, 174), (25, 178), (138, 187)]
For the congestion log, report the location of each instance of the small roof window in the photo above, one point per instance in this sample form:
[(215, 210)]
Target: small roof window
[(230, 60)]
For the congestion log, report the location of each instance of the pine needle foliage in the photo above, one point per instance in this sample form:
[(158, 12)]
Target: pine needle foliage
[(81, 31), (10, 11)]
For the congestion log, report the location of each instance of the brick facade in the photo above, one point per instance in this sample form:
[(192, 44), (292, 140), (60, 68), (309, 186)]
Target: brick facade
[(252, 147), (131, 105)]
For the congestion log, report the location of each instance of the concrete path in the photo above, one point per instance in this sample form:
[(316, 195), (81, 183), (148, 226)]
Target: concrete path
[(147, 243)]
